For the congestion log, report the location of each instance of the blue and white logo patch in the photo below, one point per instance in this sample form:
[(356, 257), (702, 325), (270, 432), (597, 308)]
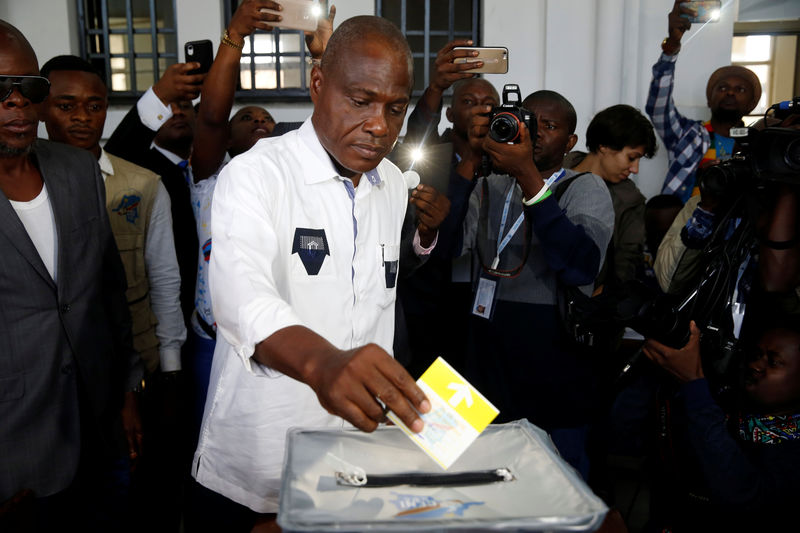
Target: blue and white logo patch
[(312, 247), (413, 507), (128, 207)]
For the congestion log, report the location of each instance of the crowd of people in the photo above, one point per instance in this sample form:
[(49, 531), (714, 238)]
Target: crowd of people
[(148, 378)]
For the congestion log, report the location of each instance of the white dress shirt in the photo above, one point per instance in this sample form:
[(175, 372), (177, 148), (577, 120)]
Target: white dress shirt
[(162, 275), (271, 206)]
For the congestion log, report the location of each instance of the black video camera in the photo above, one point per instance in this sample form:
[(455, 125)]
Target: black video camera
[(506, 119), (768, 155)]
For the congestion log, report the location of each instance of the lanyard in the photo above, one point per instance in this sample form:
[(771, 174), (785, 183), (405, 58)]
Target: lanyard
[(502, 242)]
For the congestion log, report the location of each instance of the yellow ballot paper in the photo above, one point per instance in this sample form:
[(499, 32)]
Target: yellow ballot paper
[(459, 413)]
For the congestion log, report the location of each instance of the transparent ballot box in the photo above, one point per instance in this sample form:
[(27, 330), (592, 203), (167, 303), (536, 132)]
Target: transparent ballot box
[(510, 479)]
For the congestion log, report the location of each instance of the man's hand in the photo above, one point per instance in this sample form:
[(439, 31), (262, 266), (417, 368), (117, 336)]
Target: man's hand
[(248, 17), (132, 425), (678, 25), (516, 159), (350, 383), (685, 364), (432, 208), (446, 72), (176, 84), (316, 41)]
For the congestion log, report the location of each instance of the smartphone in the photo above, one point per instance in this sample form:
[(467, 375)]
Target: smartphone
[(707, 10), (297, 14), (495, 59), (200, 51)]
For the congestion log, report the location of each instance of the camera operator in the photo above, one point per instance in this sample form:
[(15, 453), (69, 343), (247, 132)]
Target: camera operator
[(732, 92), (439, 292), (771, 202), (737, 471), (522, 241)]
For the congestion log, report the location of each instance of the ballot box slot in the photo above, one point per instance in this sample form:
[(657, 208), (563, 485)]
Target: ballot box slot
[(424, 479)]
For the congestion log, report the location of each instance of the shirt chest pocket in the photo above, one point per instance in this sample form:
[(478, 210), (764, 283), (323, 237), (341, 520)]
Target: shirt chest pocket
[(311, 255), (387, 257), (389, 264)]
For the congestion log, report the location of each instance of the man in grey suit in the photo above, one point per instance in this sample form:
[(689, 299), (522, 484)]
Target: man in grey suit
[(66, 355)]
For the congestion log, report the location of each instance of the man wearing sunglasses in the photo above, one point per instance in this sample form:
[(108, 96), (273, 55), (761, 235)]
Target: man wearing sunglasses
[(66, 354)]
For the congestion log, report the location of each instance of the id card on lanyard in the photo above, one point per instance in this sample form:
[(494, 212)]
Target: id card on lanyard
[(486, 293)]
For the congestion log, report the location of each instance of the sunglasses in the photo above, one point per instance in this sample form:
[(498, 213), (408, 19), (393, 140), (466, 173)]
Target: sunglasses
[(34, 88)]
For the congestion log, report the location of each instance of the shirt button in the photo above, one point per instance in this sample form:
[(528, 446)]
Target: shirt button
[(65, 308), (67, 369), (160, 117)]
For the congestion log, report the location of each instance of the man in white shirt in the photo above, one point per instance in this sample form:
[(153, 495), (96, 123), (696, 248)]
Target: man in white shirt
[(307, 232)]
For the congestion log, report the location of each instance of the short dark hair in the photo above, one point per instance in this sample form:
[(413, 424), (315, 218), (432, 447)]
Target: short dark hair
[(664, 201), (354, 31), (619, 126), (68, 62), (461, 84), (552, 96)]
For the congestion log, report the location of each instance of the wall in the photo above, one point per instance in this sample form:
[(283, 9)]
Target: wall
[(752, 10), (596, 53), (601, 53)]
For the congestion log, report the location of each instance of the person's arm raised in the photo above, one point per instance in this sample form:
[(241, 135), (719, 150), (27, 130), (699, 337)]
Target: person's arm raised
[(211, 129)]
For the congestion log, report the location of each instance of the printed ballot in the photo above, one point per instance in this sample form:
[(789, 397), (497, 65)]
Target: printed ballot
[(459, 413)]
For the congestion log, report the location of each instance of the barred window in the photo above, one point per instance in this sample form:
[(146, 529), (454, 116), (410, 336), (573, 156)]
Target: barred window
[(273, 63), (131, 42), (429, 25)]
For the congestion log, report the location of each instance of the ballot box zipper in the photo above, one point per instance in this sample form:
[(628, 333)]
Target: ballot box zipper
[(423, 479)]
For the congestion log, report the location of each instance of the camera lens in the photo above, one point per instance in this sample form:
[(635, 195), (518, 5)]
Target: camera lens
[(504, 128), (792, 154)]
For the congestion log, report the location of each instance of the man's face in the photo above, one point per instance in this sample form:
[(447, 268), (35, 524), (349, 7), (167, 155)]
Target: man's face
[(249, 125), (553, 138), (19, 117), (75, 111), (731, 96), (180, 126), (773, 376), (359, 110), (473, 93)]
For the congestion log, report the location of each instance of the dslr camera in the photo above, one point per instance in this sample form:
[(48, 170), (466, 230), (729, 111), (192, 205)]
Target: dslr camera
[(506, 120)]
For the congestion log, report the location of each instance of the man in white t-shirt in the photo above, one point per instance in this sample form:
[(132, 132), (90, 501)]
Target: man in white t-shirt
[(307, 232)]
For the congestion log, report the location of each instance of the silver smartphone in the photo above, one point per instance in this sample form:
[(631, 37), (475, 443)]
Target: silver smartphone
[(297, 14), (495, 59)]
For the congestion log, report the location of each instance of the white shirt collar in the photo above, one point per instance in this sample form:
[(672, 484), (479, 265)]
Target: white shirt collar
[(173, 157), (106, 168), (322, 168)]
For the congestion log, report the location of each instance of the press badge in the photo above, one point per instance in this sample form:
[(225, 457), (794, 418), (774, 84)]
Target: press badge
[(484, 298)]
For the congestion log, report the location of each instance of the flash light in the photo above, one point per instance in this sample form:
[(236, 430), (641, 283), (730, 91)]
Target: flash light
[(417, 154), (316, 10), (715, 14)]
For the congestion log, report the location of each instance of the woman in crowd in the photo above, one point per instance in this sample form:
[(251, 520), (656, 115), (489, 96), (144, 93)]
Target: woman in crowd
[(617, 138)]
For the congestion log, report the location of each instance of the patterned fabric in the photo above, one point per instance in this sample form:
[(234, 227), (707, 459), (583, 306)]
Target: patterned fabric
[(686, 140), (770, 429), (698, 229)]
